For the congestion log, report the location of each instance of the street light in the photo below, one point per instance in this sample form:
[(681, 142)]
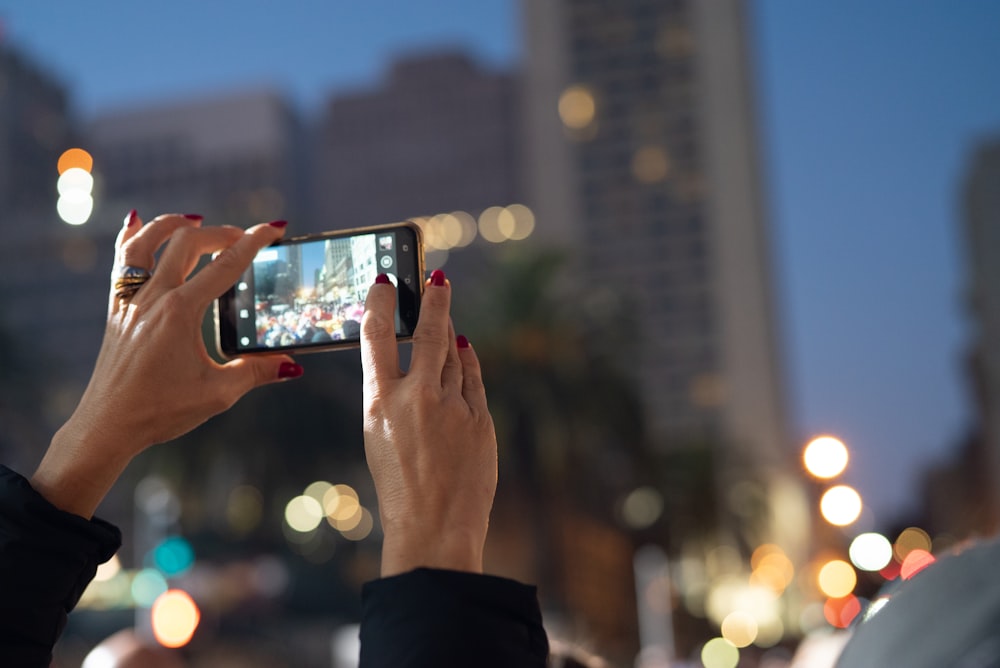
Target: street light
[(825, 457), (75, 186)]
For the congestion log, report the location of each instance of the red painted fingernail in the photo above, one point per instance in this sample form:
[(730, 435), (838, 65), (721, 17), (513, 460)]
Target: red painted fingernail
[(289, 370), (437, 277), (382, 278), (194, 216), (462, 341), (132, 218), (281, 224)]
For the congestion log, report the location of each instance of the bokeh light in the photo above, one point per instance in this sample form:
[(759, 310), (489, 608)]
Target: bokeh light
[(771, 568), (870, 551), (175, 617), (75, 207), (340, 503), (303, 514), (739, 628), (362, 528), (911, 538), (840, 612), (642, 507), (916, 560), (516, 222), (74, 179), (650, 164), (840, 505), (489, 225), (147, 585), (75, 186), (317, 490), (837, 578), (75, 158), (577, 108), (173, 556), (720, 653), (825, 457)]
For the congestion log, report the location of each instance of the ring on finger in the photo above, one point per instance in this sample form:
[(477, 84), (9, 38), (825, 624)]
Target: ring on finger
[(128, 280)]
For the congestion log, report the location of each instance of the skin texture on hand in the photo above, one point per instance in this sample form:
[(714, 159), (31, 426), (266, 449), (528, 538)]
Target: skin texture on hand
[(154, 380), (429, 437)]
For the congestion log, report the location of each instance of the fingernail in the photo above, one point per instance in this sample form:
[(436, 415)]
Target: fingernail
[(194, 216), (289, 370), (281, 224), (382, 278), (437, 277), (462, 341), (132, 218)]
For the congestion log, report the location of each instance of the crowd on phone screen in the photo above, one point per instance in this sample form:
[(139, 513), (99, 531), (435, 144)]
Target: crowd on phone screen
[(283, 325)]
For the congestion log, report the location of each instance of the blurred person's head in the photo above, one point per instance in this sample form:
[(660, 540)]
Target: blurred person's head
[(125, 649)]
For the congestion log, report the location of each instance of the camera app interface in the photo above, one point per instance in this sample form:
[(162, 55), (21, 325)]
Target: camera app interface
[(313, 292)]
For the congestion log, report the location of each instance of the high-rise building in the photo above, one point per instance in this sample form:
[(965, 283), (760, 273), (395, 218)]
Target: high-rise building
[(982, 241), (641, 156), (642, 153)]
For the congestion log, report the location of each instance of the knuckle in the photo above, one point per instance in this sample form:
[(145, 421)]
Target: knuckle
[(430, 336), (375, 326), (474, 384), (229, 259)]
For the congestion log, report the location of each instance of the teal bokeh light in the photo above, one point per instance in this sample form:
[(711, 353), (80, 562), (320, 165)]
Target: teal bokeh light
[(173, 556), (146, 586)]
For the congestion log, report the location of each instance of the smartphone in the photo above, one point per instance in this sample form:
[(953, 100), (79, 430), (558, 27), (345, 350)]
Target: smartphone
[(307, 293)]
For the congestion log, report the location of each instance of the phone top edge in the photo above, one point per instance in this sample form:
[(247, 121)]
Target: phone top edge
[(352, 231)]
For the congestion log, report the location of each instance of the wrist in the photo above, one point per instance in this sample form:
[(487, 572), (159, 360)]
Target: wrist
[(456, 551), (78, 470)]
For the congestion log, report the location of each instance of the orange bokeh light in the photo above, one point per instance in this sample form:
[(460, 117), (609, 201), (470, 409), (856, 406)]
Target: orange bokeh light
[(175, 618), (840, 612), (75, 157)]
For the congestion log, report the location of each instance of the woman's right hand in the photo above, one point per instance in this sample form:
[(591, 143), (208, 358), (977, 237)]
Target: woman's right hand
[(154, 380), (429, 436)]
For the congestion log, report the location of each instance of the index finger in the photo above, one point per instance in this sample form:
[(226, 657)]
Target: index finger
[(379, 349), (227, 267), (431, 338)]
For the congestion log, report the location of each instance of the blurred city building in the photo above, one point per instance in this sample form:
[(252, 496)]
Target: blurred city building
[(35, 127), (237, 158), (52, 313), (641, 155), (436, 142), (438, 135), (962, 494)]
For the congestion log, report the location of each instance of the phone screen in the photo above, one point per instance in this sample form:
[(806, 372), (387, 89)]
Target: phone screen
[(308, 293)]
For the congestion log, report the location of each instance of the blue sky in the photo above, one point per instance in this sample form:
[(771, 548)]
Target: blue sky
[(869, 111)]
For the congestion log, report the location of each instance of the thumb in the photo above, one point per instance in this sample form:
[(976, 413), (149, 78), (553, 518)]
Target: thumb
[(253, 371)]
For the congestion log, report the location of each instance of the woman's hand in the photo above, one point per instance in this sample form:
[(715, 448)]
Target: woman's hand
[(429, 436), (154, 380)]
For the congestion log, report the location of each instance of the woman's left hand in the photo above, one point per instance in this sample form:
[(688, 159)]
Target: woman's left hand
[(154, 380)]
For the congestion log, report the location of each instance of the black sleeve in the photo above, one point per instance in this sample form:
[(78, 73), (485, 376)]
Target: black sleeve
[(47, 558), (430, 617)]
